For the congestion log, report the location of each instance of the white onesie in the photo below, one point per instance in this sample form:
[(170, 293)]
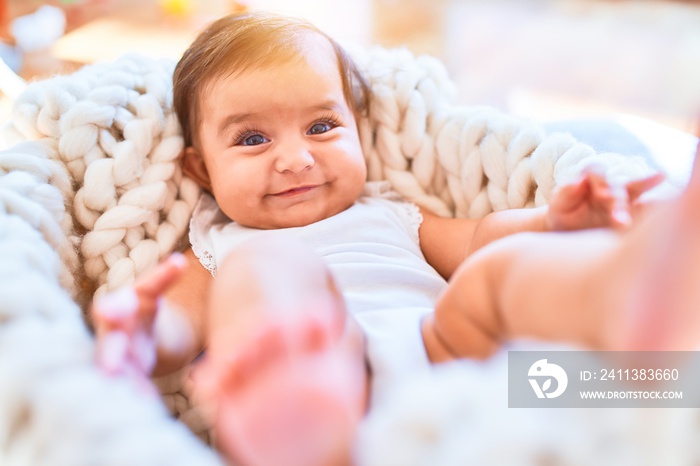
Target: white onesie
[(373, 253)]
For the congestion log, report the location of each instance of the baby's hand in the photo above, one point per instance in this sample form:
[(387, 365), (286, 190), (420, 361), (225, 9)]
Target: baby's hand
[(124, 321), (592, 202)]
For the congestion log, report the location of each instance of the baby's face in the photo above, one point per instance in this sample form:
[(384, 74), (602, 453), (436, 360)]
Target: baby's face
[(280, 144)]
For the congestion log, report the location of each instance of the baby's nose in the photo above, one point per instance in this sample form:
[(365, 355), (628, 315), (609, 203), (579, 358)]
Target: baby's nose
[(294, 159)]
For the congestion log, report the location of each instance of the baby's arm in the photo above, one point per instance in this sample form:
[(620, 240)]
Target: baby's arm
[(166, 306), (591, 202), (180, 328), (446, 242)]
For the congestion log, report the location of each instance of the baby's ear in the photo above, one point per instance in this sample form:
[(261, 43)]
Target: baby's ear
[(194, 167)]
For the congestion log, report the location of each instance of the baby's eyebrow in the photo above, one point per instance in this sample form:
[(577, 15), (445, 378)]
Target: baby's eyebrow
[(236, 118), (233, 119), (331, 105)]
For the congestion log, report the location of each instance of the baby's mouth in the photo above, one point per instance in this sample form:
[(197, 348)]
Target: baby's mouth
[(295, 191)]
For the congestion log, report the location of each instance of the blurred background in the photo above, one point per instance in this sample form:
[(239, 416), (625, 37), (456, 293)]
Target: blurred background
[(547, 60)]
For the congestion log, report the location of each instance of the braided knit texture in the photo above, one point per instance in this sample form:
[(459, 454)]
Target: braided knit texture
[(91, 195), (460, 161), (57, 408), (111, 132)]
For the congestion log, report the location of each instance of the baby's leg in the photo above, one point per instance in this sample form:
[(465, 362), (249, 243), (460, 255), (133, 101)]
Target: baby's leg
[(596, 288), (664, 313), (285, 364), (526, 285)]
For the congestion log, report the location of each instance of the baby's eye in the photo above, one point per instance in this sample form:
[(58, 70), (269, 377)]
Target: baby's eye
[(252, 140), (319, 128)]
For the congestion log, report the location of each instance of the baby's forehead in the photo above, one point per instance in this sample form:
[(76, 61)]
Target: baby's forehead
[(305, 46), (308, 47), (314, 49)]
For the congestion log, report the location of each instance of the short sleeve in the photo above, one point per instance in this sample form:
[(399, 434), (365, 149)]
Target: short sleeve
[(206, 214), (412, 216), (408, 212)]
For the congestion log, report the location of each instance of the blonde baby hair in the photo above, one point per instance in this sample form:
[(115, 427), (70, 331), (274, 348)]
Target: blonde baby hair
[(236, 43)]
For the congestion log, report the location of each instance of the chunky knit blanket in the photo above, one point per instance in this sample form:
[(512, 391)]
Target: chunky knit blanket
[(91, 194)]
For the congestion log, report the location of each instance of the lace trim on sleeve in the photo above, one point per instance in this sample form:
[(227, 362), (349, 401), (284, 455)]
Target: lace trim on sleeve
[(205, 258), (414, 219), (408, 211), (203, 217)]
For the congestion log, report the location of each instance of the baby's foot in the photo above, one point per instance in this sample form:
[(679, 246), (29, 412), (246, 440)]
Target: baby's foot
[(292, 395), (665, 307)]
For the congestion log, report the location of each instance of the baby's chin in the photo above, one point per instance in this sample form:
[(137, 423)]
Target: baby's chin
[(294, 220)]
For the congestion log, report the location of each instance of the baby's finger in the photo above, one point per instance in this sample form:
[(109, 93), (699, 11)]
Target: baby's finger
[(595, 173), (603, 193), (573, 193), (116, 310), (579, 190), (112, 351), (638, 187), (154, 283), (142, 350), (620, 206), (613, 199), (621, 216)]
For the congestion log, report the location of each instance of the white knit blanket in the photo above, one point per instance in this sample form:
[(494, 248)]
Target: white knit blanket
[(94, 195)]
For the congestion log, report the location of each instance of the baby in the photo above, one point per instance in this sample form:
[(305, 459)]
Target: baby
[(317, 271)]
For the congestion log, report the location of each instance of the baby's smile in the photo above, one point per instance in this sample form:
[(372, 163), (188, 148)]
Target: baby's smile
[(292, 192)]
